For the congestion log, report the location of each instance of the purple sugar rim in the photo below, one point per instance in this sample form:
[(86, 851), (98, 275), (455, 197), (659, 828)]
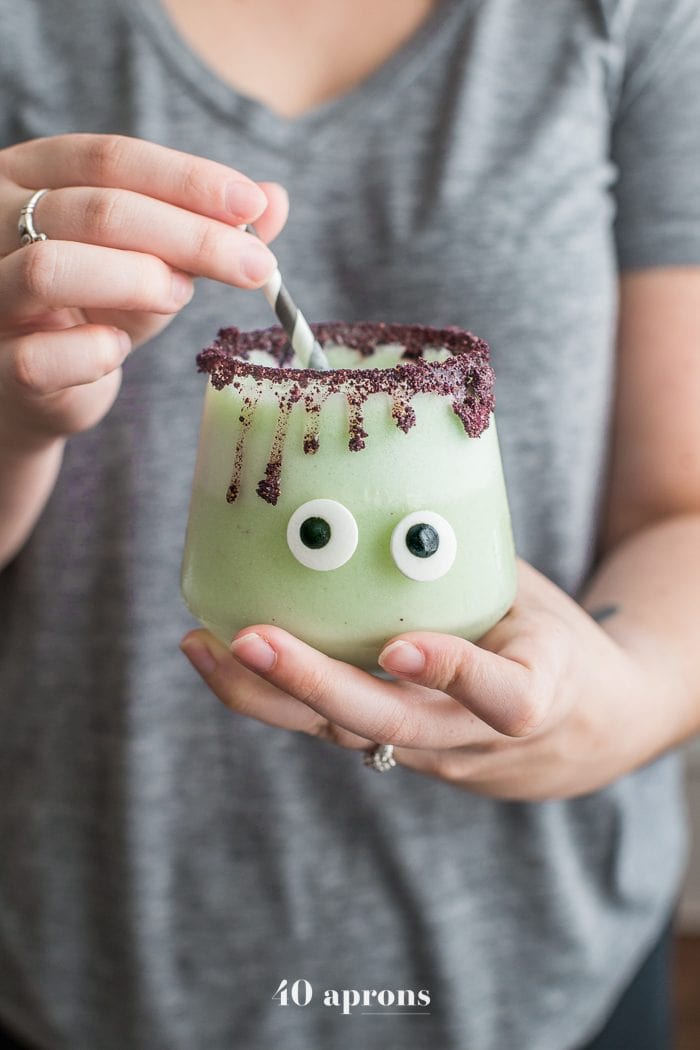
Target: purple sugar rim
[(466, 378)]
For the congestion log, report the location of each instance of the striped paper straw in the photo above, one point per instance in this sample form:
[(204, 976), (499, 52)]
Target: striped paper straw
[(305, 346)]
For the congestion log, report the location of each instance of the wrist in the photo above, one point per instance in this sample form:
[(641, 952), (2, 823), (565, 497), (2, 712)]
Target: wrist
[(656, 698)]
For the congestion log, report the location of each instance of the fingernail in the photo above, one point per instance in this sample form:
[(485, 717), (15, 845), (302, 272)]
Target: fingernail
[(254, 652), (182, 288), (402, 658), (199, 656), (257, 262), (245, 200)]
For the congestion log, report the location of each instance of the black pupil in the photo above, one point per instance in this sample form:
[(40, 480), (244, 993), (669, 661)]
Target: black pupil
[(315, 533), (422, 540)]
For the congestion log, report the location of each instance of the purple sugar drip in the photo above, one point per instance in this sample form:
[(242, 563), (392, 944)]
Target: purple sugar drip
[(465, 379), (245, 419), (269, 488)]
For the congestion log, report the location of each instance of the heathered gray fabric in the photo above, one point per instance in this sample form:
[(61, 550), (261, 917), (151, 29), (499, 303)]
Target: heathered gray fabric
[(165, 864)]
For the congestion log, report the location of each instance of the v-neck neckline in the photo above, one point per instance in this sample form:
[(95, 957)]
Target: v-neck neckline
[(259, 122)]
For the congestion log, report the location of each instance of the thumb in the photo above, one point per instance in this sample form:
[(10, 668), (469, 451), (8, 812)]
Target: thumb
[(498, 690)]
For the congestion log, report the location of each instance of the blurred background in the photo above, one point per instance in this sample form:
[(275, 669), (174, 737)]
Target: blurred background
[(687, 959)]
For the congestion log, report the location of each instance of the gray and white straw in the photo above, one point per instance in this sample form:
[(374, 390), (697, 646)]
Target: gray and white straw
[(304, 344)]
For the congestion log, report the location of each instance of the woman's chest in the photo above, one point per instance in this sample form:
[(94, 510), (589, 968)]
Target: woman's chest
[(293, 55)]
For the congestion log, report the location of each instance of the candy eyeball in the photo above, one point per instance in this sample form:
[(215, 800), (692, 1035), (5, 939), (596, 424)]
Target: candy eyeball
[(322, 534), (423, 545)]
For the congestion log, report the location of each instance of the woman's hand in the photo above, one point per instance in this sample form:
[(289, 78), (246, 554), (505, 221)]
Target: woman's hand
[(129, 224), (547, 705)]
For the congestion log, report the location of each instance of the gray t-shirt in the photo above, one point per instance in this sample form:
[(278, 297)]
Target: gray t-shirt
[(165, 864)]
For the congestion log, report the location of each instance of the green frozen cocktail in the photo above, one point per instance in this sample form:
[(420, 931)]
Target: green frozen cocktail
[(352, 505)]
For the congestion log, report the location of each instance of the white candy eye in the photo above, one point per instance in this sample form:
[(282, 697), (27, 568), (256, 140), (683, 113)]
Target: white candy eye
[(322, 534), (423, 545)]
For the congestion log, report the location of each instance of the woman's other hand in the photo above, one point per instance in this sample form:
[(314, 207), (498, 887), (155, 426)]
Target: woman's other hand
[(129, 224), (547, 705)]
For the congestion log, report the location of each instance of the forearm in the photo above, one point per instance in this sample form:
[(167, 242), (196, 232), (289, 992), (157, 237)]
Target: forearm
[(652, 581), (27, 477)]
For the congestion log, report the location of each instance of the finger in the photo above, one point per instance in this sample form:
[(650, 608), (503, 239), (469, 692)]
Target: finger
[(131, 221), (374, 709), (506, 694), (496, 771), (54, 274), (246, 693), (44, 363), (194, 183)]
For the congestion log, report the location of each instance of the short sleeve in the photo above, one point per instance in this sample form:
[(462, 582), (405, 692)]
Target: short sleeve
[(656, 137)]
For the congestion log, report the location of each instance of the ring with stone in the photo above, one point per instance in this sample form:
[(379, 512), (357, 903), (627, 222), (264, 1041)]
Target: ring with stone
[(380, 758), (28, 233)]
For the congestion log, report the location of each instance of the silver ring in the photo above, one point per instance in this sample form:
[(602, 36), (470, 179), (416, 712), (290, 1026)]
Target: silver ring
[(381, 758), (28, 234)]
